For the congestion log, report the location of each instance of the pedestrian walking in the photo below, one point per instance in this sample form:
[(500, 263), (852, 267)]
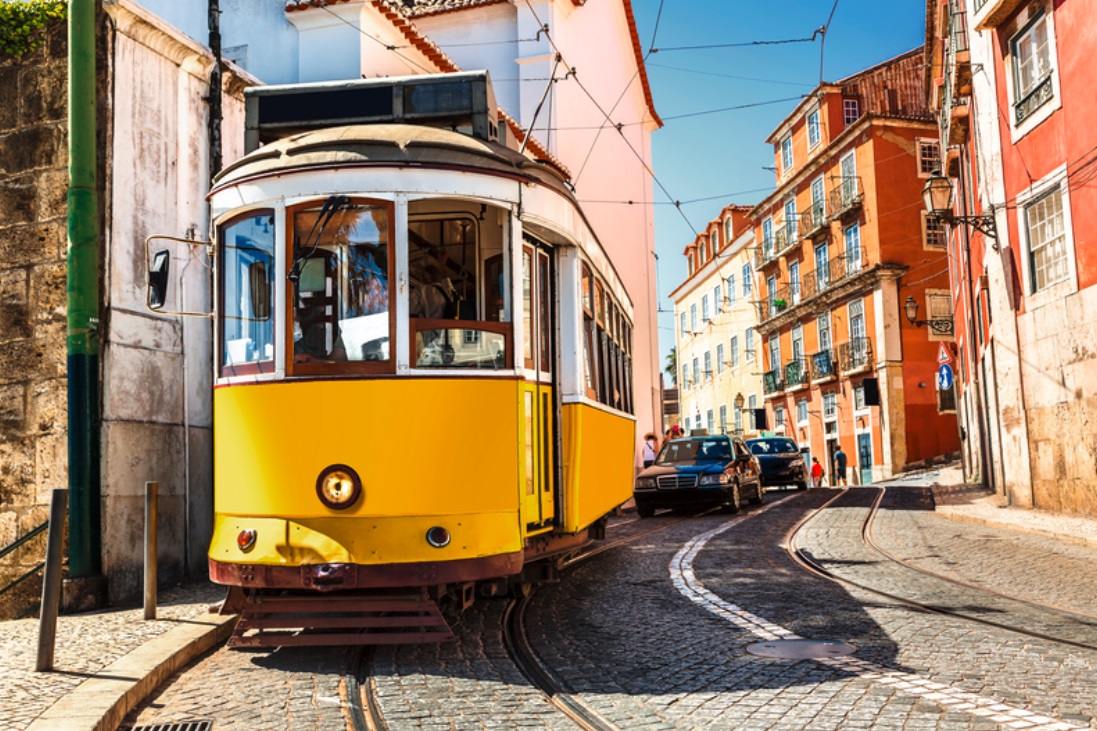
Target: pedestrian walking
[(650, 449), (816, 473), (840, 467)]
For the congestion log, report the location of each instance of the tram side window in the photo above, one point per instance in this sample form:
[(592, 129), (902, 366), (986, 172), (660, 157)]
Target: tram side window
[(247, 290), (340, 286), (590, 365)]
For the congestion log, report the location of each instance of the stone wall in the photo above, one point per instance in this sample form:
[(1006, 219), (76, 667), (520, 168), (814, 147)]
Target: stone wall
[(33, 186)]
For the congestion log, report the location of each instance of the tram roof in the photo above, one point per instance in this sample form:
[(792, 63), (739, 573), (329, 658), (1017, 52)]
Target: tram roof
[(388, 144)]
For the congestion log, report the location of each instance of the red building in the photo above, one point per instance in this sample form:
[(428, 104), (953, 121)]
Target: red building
[(842, 246), (1016, 111)]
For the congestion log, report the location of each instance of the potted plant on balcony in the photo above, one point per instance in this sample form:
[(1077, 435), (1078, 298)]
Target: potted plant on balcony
[(779, 304)]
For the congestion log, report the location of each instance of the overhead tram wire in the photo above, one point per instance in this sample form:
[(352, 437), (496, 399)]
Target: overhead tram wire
[(387, 46), (726, 76), (822, 32), (643, 163)]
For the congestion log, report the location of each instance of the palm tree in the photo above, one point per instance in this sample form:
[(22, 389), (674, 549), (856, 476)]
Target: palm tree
[(672, 365)]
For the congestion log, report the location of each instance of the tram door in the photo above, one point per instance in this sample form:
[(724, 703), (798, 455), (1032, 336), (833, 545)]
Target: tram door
[(538, 398)]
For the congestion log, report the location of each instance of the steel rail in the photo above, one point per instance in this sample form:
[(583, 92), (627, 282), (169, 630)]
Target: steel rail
[(363, 712), (527, 662), (810, 564)]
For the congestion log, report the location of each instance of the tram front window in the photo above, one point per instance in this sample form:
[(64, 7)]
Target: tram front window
[(457, 300), (339, 281), (247, 284)]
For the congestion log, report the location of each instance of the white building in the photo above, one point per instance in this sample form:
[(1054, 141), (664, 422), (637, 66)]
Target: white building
[(719, 375)]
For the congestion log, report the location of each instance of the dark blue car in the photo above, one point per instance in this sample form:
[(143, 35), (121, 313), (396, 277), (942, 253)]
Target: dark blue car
[(699, 472)]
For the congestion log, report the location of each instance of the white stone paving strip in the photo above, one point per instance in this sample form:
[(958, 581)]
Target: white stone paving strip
[(687, 584)]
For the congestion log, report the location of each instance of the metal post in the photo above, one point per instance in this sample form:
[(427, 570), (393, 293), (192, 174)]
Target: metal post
[(151, 489), (51, 581)]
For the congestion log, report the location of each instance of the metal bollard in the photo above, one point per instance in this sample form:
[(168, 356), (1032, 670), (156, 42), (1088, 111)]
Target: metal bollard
[(51, 581), (151, 489)]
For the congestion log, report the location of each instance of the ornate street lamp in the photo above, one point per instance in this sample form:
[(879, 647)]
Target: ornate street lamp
[(941, 326), (937, 196)]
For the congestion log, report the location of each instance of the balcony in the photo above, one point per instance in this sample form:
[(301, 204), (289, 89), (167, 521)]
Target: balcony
[(772, 382), (855, 356), (846, 197), (824, 366), (837, 270), (785, 238), (958, 48), (990, 13), (765, 253), (777, 302), (814, 221), (796, 374)]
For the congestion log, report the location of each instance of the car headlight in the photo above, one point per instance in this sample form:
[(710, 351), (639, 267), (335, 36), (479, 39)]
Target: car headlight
[(720, 479), (338, 486), (645, 483)]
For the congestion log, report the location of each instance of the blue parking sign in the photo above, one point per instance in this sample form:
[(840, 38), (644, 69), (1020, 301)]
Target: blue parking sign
[(944, 377)]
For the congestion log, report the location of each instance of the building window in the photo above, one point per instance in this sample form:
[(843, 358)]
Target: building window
[(693, 318), (856, 320), (938, 307), (720, 358), (1032, 68), (727, 232), (786, 153), (718, 299), (934, 235), (818, 202), (723, 419), (858, 397), (749, 346), (767, 237), (830, 406), (946, 400), (851, 111), (731, 290), (687, 425), (802, 411), (774, 352), (734, 351), (814, 133), (853, 248), (702, 253), (790, 220), (708, 364), (682, 320), (794, 282), (822, 266), (929, 157), (704, 309), (746, 280), (696, 371), (708, 421), (738, 416), (779, 416), (823, 323), (752, 404), (1047, 241), (685, 376)]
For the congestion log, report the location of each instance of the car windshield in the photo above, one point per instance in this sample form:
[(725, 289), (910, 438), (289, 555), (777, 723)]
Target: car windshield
[(772, 446), (695, 450)]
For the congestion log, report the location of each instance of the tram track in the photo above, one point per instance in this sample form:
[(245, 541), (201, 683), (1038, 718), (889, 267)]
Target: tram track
[(942, 594), (363, 709)]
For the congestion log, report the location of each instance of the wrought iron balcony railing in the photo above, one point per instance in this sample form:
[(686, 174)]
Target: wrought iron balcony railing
[(814, 220), (846, 196), (785, 238), (796, 373), (824, 365), (1042, 93), (856, 355), (772, 381)]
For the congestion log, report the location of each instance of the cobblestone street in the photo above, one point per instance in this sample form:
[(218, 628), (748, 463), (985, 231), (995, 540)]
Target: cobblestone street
[(653, 634)]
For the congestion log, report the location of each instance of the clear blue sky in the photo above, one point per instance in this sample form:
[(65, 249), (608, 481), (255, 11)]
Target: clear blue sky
[(723, 155)]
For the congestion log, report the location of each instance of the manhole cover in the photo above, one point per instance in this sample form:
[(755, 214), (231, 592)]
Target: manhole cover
[(801, 649)]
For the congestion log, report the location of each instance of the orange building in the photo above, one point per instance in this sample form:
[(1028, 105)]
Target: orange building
[(843, 248)]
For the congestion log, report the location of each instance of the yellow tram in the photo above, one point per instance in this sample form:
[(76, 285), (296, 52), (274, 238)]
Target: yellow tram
[(423, 382)]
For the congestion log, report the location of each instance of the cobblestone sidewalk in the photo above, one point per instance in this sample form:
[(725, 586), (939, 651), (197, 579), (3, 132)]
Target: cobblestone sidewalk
[(89, 648)]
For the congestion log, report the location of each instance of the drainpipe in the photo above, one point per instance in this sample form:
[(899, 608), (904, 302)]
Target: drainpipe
[(215, 89), (83, 298)]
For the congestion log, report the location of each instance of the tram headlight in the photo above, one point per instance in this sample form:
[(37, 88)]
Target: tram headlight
[(338, 486)]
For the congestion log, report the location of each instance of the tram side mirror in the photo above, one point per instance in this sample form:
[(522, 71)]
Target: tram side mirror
[(158, 279), (259, 285)]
